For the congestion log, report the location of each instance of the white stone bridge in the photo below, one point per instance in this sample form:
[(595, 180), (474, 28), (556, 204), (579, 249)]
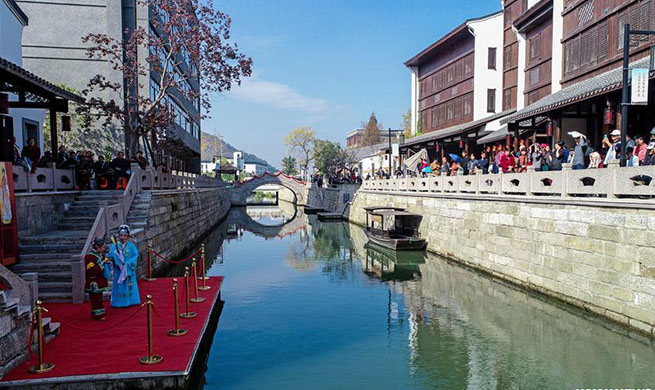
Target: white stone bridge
[(239, 192), (239, 216)]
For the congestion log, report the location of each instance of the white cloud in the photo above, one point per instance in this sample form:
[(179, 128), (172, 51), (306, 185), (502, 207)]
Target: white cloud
[(278, 95)]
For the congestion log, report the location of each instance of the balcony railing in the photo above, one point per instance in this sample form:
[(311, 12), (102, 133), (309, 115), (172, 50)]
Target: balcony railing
[(612, 182)]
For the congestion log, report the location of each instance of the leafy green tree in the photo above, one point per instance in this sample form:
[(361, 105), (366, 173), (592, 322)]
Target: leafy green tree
[(331, 159), (289, 165)]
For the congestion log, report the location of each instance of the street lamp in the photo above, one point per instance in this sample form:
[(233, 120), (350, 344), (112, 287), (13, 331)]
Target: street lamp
[(624, 92)]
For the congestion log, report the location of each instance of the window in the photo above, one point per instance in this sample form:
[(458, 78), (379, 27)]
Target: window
[(602, 40), (535, 46), (585, 13), (467, 105), (534, 76), (621, 25), (507, 58), (449, 111), (491, 58), (30, 130), (491, 100), (507, 99)]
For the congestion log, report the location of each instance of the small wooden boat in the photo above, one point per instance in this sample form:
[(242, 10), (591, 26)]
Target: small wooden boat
[(401, 233)]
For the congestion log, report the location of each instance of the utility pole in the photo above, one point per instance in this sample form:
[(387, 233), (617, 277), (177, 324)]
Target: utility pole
[(390, 154), (624, 91)]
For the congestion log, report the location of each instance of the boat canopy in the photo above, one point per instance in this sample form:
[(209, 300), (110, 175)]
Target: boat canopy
[(393, 212)]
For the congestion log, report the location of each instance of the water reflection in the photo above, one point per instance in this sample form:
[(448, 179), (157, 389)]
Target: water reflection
[(322, 308)]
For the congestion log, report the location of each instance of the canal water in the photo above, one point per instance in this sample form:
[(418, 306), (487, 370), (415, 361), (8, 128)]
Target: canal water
[(311, 305)]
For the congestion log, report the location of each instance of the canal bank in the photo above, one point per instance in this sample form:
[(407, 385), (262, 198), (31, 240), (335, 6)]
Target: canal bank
[(599, 259)]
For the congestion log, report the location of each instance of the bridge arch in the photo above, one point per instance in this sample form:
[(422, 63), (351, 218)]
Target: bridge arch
[(239, 193), (240, 216)]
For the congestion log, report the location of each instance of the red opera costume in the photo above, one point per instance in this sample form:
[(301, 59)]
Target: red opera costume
[(97, 273)]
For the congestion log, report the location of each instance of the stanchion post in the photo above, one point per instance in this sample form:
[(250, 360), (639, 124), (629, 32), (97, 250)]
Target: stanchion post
[(188, 313), (197, 298), (204, 277), (151, 358), (149, 277), (177, 331), (41, 367)]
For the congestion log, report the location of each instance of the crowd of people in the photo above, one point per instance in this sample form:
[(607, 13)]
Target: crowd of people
[(499, 158), (90, 172)]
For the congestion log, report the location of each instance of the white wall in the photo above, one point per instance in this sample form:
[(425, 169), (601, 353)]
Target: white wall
[(415, 93), (11, 33), (558, 28), (488, 33), (254, 169)]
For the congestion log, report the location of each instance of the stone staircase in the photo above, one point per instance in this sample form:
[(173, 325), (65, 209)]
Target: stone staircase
[(14, 331), (50, 254)]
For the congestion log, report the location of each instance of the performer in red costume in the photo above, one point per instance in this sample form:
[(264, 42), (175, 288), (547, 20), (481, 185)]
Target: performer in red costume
[(98, 271)]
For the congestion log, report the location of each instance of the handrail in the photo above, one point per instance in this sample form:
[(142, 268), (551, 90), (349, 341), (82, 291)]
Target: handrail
[(600, 184), (97, 230)]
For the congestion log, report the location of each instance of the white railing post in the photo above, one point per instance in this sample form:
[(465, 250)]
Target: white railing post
[(566, 169), (612, 170), (530, 174)]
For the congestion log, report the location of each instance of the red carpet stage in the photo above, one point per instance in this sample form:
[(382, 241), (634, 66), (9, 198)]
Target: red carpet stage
[(105, 348)]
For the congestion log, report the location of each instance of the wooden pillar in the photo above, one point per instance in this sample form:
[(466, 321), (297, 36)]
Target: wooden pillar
[(53, 134)]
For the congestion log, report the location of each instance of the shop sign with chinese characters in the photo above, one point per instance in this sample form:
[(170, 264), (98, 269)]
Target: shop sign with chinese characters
[(639, 94)]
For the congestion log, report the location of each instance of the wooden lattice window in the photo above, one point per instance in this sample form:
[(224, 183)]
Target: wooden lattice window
[(507, 99), (491, 58), (535, 46), (575, 54), (621, 26), (602, 40), (645, 19), (585, 49), (585, 13), (534, 76), (507, 57)]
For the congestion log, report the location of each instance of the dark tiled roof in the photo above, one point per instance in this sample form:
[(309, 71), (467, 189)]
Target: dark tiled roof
[(9, 69), (17, 11), (597, 85), (455, 130)]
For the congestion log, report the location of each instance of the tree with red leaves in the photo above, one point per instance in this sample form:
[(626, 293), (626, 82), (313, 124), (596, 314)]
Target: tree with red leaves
[(186, 52)]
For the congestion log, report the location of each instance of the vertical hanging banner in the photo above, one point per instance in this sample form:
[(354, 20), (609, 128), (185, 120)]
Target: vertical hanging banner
[(8, 226), (639, 95)]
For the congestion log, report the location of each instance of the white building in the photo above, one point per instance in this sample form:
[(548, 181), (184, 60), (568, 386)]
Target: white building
[(26, 122), (254, 168), (237, 161)]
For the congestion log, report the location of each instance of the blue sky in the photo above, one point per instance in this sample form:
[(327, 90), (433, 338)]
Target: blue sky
[(326, 64)]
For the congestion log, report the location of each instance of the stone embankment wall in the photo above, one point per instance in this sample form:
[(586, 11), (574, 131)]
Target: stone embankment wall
[(333, 200), (596, 258), (178, 219), (37, 213)]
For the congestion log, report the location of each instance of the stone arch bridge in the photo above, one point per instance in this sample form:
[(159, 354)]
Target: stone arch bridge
[(239, 193), (240, 216)]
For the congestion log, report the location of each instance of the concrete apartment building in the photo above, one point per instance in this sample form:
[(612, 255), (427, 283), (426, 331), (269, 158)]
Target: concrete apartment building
[(54, 49)]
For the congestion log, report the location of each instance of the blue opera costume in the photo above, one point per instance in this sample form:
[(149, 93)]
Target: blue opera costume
[(124, 291)]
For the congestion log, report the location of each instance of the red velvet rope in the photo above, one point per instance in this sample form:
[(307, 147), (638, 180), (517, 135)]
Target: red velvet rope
[(29, 341), (175, 261), (98, 330)]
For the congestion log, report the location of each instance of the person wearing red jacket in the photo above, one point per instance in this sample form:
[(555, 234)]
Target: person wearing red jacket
[(97, 275)]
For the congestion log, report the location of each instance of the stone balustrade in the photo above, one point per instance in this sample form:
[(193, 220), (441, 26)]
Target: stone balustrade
[(611, 182), (53, 179)]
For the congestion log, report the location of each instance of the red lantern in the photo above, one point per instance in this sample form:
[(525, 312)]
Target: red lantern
[(65, 123), (549, 128), (4, 103), (608, 115), (461, 143)]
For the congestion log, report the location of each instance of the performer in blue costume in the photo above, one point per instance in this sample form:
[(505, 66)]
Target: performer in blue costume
[(124, 255)]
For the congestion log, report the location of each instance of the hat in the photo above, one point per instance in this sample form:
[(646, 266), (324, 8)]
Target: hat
[(560, 143), (651, 145), (616, 132), (575, 134), (543, 145), (98, 242), (124, 229)]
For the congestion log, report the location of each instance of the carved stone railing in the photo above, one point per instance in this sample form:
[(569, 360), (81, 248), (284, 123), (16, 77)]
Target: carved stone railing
[(612, 182), (43, 179)]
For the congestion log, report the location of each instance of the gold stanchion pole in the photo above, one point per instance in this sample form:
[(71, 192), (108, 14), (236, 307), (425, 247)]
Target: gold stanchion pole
[(149, 277), (197, 299), (188, 313), (41, 367), (204, 277), (177, 331), (151, 358)]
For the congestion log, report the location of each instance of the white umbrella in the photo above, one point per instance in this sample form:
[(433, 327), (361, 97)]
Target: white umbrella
[(411, 162)]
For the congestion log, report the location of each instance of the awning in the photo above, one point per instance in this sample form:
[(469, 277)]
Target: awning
[(592, 87), (497, 135), (412, 161), (455, 130)]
